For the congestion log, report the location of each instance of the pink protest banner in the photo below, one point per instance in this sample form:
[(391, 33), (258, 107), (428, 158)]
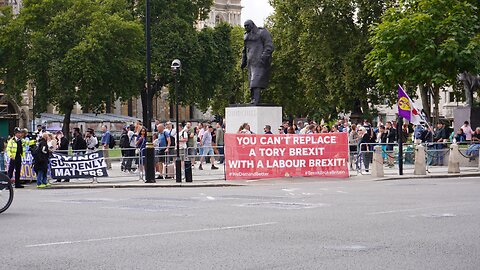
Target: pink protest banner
[(276, 156)]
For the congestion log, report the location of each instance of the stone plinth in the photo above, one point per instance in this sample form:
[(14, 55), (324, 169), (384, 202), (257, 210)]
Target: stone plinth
[(420, 163), (256, 116), (377, 164), (453, 159)]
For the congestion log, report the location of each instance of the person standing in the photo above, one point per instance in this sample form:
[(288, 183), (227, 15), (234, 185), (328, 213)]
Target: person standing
[(172, 134), (267, 129), (124, 144), (106, 139), (91, 141), (183, 139), (191, 150), (365, 139), (467, 130), (220, 141), (130, 152), (140, 144), (200, 132), (163, 141), (16, 148), (206, 144), (438, 138), (78, 143), (40, 161), (62, 143), (62, 149), (38, 133), (391, 139)]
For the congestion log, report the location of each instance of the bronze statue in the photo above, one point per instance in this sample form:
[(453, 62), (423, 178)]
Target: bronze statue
[(257, 57)]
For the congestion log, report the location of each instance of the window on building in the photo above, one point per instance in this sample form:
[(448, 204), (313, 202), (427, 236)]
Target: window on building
[(218, 19)]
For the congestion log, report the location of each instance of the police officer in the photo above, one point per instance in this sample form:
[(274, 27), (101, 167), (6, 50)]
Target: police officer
[(16, 148)]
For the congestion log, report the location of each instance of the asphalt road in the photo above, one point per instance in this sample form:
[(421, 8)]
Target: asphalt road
[(338, 224)]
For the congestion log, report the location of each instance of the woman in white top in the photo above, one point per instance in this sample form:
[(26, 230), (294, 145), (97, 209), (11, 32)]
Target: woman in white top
[(467, 130)]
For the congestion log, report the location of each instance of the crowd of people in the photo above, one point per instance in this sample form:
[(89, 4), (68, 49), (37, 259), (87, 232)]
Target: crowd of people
[(205, 143), (201, 143), (363, 136)]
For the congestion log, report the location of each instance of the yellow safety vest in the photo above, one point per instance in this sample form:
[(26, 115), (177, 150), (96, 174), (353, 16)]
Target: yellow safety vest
[(12, 148)]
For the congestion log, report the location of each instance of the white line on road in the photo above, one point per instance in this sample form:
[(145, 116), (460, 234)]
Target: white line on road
[(150, 234), (413, 209)]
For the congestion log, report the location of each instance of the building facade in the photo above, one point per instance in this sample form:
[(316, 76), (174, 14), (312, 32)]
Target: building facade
[(229, 11)]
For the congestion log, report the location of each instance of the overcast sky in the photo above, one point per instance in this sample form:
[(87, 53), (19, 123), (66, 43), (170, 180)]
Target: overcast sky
[(256, 10)]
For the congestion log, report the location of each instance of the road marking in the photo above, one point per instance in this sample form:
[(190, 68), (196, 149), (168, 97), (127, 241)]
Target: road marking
[(413, 209), (149, 235)]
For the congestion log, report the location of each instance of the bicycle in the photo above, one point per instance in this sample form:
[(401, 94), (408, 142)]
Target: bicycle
[(6, 192)]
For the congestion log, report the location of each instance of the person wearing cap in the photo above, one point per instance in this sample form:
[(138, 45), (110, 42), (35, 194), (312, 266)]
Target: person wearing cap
[(16, 148), (268, 129)]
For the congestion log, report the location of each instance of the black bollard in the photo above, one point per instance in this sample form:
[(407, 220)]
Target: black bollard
[(188, 171), (178, 170)]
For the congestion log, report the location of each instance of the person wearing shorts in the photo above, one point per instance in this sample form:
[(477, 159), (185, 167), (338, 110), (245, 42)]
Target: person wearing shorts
[(163, 144), (206, 145)]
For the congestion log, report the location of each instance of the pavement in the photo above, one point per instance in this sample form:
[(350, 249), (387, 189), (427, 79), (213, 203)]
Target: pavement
[(216, 178), (305, 223)]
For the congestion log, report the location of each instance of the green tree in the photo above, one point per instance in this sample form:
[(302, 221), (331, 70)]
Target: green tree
[(73, 51), (425, 44), (220, 72), (320, 46), (174, 36)]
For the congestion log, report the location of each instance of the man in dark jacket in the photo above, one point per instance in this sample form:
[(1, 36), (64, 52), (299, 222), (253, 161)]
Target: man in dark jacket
[(79, 146), (40, 161), (62, 143), (124, 145), (439, 137)]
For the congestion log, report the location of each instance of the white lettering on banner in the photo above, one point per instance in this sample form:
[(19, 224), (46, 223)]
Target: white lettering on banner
[(290, 163), (246, 140), (270, 140), (307, 151), (269, 152), (314, 140), (333, 162), (88, 165), (241, 164)]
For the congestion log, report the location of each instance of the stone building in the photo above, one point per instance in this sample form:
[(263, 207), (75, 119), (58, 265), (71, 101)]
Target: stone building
[(229, 11)]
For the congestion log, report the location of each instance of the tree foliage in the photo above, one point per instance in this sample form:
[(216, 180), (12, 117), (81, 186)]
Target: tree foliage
[(424, 43), (208, 56), (320, 47), (73, 51)]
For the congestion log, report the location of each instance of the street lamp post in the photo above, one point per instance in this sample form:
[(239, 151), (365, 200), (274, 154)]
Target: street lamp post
[(149, 150), (176, 67)]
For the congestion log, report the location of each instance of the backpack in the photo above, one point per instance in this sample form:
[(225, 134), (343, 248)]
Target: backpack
[(124, 143), (172, 138), (34, 151), (111, 144)]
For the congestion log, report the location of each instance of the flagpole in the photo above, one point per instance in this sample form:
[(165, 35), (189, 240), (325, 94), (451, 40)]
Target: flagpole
[(400, 144)]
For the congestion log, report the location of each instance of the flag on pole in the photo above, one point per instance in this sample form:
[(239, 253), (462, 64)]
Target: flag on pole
[(406, 108)]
